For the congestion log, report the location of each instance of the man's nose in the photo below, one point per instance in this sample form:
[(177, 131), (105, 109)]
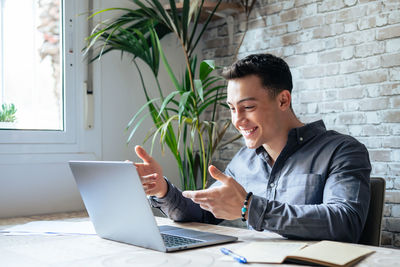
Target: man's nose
[(238, 117)]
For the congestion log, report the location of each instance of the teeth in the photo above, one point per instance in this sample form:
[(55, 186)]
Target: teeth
[(249, 131)]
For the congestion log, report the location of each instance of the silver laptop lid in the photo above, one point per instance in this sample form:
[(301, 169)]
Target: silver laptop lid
[(116, 202)]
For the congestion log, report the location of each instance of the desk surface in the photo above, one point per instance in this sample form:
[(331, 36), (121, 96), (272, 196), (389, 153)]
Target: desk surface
[(91, 251)]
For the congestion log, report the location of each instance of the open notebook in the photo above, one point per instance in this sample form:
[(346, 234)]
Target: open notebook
[(325, 253)]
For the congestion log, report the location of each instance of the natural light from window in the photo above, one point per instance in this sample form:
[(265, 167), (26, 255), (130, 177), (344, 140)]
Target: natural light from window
[(31, 87)]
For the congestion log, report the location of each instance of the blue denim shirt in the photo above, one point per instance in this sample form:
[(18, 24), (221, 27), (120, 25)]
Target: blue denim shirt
[(318, 187)]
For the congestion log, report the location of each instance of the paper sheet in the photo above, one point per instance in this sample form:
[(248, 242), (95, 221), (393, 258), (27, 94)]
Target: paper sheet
[(51, 228), (267, 252)]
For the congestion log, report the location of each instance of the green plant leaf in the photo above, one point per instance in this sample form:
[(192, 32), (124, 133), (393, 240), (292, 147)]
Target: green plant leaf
[(198, 85), (138, 33), (206, 67), (205, 25), (167, 66), (7, 112), (136, 127), (167, 101), (185, 20), (182, 103), (140, 111)]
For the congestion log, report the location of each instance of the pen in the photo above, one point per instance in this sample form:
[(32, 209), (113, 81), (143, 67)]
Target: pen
[(235, 256)]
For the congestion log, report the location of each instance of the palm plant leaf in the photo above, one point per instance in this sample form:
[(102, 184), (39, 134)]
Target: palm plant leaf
[(136, 127), (167, 100), (182, 103), (191, 47), (211, 101), (177, 121), (146, 105), (198, 85), (206, 67), (167, 66)]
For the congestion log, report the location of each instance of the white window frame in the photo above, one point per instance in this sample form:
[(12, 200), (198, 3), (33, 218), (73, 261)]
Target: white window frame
[(75, 72)]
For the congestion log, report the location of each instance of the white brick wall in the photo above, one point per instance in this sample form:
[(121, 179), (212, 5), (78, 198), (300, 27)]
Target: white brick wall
[(345, 61)]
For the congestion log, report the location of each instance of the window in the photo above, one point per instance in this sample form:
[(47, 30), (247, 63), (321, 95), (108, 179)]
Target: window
[(31, 73), (35, 177), (38, 70)]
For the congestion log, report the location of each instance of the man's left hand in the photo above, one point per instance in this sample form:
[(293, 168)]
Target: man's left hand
[(224, 202)]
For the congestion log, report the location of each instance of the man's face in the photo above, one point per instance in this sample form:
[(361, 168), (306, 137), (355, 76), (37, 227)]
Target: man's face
[(253, 111)]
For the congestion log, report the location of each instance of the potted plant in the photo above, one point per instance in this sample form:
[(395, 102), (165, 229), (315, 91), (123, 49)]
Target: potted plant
[(179, 118), (7, 116)]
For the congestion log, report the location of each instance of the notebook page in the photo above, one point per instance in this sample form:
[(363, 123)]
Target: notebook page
[(267, 252), (336, 253)]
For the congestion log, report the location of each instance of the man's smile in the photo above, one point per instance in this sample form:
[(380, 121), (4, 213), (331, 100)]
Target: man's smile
[(248, 132)]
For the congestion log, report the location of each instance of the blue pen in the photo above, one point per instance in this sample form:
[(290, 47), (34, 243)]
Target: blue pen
[(235, 256)]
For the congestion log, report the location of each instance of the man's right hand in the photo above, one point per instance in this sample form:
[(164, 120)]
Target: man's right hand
[(151, 174)]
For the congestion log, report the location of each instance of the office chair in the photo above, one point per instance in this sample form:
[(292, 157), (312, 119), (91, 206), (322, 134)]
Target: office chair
[(371, 234)]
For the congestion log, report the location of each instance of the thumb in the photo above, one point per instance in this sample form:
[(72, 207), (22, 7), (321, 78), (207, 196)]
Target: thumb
[(142, 154), (217, 174)]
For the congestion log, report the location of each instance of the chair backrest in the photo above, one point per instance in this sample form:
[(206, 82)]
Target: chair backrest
[(371, 234)]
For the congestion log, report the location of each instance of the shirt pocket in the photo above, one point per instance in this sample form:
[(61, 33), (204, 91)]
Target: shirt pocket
[(300, 189)]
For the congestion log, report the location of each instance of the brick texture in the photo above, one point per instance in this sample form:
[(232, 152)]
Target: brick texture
[(345, 61)]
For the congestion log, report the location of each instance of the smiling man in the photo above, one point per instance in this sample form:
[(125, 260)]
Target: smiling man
[(298, 180)]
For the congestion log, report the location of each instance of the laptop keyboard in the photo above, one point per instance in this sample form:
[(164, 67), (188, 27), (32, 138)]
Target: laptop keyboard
[(177, 241)]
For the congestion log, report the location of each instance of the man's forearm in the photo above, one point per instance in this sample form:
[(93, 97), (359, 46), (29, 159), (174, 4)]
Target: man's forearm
[(179, 208)]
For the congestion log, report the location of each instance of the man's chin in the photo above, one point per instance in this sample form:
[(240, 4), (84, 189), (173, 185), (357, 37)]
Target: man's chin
[(251, 145)]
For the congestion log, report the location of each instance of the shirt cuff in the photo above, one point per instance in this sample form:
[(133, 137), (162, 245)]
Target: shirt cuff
[(257, 208), (159, 202)]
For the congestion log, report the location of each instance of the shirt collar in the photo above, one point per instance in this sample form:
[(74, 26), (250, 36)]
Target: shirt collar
[(301, 134), (262, 153), (306, 132)]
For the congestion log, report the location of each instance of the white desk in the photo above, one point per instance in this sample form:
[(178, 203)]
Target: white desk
[(93, 251)]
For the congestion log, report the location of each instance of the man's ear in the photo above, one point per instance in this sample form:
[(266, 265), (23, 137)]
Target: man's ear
[(284, 99)]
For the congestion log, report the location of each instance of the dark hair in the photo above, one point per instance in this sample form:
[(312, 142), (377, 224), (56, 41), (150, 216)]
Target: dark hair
[(273, 71)]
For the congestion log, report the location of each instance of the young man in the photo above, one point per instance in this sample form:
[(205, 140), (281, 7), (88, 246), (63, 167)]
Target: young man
[(306, 182)]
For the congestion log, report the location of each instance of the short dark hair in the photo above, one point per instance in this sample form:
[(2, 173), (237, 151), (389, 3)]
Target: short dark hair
[(273, 71)]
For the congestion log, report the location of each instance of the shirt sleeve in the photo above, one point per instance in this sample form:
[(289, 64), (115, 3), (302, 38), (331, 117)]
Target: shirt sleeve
[(341, 215), (181, 209)]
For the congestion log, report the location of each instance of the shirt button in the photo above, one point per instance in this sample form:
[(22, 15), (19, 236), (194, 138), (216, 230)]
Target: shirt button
[(272, 185), (301, 139)]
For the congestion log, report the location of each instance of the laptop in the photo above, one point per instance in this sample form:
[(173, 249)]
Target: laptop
[(120, 211)]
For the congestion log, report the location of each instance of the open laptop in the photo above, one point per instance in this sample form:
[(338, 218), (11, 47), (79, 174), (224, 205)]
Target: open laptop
[(120, 211)]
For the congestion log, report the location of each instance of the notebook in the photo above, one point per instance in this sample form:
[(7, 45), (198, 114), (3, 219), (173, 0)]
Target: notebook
[(323, 253), (120, 211)]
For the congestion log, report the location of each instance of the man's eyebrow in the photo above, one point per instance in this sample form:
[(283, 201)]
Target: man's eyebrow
[(243, 100)]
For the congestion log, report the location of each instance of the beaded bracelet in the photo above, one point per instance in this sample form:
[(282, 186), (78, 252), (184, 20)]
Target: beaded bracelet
[(244, 208)]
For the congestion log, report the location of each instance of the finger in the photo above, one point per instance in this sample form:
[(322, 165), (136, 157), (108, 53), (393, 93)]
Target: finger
[(205, 207), (140, 165), (148, 183), (149, 189), (197, 194), (141, 169), (217, 174), (142, 154), (151, 178), (201, 200)]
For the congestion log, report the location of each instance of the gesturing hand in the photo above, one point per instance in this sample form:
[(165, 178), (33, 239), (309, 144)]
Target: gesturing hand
[(151, 174), (225, 201)]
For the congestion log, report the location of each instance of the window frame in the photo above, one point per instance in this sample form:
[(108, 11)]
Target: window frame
[(11, 139)]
